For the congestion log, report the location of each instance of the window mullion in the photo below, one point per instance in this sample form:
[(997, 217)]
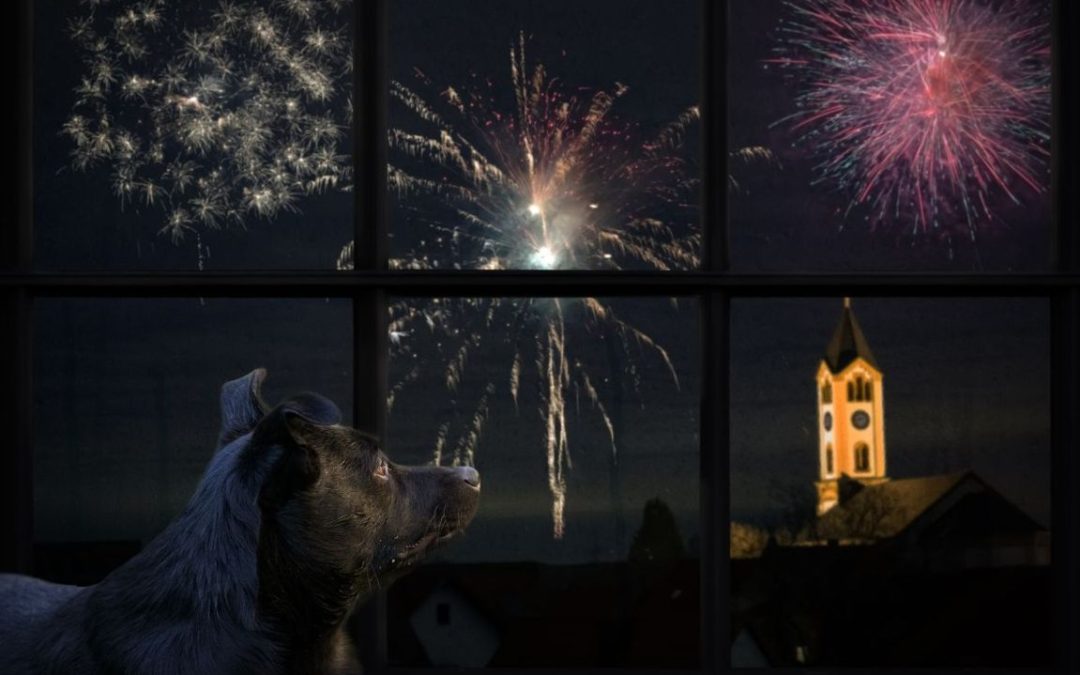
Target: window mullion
[(714, 138), (715, 570), (370, 351), (16, 239), (16, 462), (715, 521), (369, 131), (1065, 474)]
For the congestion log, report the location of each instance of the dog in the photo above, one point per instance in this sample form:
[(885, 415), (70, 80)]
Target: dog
[(296, 520)]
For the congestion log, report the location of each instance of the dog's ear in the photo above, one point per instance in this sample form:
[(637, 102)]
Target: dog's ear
[(299, 426), (242, 406)]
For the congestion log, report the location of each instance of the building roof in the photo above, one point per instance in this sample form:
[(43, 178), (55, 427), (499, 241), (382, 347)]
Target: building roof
[(848, 343), (887, 509)]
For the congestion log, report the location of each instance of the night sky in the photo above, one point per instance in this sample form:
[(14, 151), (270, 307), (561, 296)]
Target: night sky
[(967, 385), (127, 389), (653, 49), (126, 417), (126, 392), (126, 398)]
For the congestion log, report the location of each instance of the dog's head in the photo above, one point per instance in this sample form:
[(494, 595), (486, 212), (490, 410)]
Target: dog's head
[(339, 519)]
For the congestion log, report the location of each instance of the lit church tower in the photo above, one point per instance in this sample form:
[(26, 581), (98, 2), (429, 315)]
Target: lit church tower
[(851, 419)]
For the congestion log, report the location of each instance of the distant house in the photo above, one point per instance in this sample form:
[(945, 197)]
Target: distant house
[(948, 521), (746, 651), (453, 631), (518, 614)]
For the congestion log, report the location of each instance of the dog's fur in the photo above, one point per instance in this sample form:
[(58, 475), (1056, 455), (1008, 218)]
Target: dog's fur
[(295, 520)]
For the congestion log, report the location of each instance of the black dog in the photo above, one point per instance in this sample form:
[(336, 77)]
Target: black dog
[(295, 521)]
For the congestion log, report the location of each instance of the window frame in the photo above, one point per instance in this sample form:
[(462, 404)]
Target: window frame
[(369, 285)]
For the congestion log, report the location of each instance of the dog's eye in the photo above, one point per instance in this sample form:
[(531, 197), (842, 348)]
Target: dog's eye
[(382, 470)]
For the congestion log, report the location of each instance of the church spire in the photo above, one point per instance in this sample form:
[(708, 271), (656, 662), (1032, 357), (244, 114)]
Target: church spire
[(848, 342)]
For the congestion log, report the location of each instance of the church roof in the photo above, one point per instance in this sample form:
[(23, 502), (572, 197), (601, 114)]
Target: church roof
[(887, 509), (848, 343)]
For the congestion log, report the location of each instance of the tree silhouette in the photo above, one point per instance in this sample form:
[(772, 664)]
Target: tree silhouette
[(658, 538)]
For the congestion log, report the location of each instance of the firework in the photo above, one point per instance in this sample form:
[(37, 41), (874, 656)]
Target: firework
[(213, 116), (926, 112), (555, 183)]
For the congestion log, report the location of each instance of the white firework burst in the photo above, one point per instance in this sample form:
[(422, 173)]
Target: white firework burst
[(213, 113)]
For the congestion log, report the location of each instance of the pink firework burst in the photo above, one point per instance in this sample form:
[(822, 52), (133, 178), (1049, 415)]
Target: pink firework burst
[(925, 113)]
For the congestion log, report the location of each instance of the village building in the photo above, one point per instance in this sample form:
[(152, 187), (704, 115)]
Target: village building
[(877, 551)]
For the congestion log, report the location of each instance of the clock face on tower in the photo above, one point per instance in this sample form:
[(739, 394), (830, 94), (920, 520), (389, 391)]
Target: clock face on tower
[(828, 421), (860, 419)]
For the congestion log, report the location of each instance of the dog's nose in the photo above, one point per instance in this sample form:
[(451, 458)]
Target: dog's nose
[(469, 475)]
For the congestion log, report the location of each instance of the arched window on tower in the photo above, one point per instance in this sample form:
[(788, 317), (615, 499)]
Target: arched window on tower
[(862, 457), (857, 390), (828, 460), (826, 393), (868, 391)]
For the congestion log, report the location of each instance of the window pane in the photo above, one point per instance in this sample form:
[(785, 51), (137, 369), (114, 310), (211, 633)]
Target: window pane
[(903, 137), (554, 135), (195, 135), (582, 417), (906, 528), (127, 408)]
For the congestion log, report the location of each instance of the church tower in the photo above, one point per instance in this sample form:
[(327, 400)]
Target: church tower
[(851, 413)]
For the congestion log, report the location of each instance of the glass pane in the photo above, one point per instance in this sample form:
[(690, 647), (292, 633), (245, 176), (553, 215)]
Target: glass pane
[(889, 136), (890, 482), (554, 135), (127, 408), (195, 135), (582, 417)]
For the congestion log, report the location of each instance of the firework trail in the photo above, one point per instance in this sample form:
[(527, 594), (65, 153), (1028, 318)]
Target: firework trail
[(555, 183), (213, 116), (926, 112), (746, 155)]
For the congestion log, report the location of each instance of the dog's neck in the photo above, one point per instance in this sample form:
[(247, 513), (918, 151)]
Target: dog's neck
[(307, 602), (198, 576)]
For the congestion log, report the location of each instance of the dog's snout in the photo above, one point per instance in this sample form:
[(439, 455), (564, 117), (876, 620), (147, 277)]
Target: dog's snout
[(469, 475)]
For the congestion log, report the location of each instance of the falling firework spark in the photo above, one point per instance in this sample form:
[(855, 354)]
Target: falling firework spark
[(557, 183), (927, 112), (213, 116), (750, 154)]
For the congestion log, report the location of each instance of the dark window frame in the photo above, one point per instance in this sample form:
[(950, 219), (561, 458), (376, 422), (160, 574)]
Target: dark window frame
[(369, 285)]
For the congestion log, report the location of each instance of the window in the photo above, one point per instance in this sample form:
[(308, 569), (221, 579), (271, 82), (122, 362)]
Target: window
[(862, 457), (924, 469), (292, 220)]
